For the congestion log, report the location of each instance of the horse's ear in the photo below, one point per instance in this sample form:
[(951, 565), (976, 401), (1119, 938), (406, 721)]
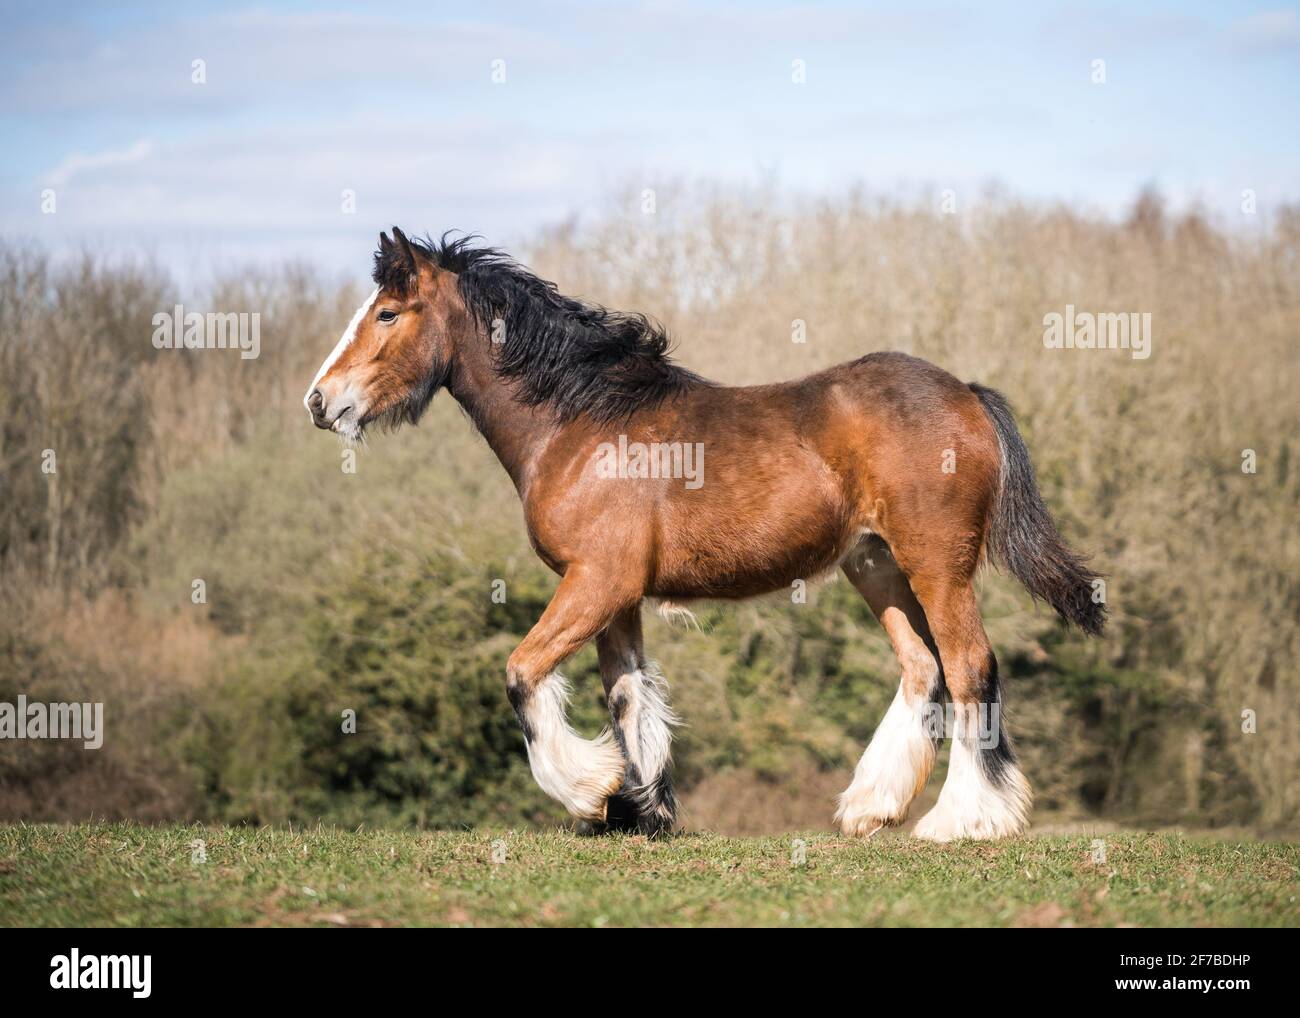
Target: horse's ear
[(411, 261)]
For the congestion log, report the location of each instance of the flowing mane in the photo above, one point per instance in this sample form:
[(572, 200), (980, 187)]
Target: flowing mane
[(577, 358)]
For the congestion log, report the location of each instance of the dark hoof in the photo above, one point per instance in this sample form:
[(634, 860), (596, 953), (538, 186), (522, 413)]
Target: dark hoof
[(622, 814)]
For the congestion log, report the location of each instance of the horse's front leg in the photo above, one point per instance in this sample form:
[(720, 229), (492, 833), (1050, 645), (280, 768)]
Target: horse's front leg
[(580, 773), (638, 706)]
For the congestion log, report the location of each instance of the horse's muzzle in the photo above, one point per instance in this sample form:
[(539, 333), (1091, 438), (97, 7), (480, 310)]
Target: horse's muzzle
[(316, 407)]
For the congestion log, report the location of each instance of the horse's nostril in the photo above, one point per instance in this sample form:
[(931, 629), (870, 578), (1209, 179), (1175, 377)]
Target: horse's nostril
[(315, 399)]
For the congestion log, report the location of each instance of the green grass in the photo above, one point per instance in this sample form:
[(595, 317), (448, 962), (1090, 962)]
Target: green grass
[(128, 875)]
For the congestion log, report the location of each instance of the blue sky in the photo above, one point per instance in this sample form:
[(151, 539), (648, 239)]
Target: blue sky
[(397, 103)]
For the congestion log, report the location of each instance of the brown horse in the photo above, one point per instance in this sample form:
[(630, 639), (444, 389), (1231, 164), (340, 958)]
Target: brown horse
[(642, 480)]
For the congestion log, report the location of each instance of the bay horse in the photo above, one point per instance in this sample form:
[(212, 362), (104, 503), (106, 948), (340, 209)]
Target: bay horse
[(886, 467)]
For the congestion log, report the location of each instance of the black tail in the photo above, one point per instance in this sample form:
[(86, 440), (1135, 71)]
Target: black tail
[(1024, 540)]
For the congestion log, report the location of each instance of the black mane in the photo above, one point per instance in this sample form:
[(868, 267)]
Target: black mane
[(577, 358)]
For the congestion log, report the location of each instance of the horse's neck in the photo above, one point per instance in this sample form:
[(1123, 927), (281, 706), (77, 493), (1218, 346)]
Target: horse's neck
[(515, 432)]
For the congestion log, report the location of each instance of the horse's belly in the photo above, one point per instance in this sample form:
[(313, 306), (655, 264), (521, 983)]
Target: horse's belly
[(747, 549)]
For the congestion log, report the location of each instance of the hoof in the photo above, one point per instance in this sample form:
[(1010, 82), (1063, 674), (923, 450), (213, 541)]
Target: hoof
[(624, 814), (863, 826), (1000, 811), (621, 813), (862, 814)]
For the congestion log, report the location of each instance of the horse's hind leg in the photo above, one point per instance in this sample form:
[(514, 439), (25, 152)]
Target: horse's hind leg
[(897, 762), (985, 795), (638, 707)]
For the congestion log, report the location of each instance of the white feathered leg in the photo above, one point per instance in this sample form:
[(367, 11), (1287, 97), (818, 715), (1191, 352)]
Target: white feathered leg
[(985, 794), (580, 773), (893, 770), (643, 722)]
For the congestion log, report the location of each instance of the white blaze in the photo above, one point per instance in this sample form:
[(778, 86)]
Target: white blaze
[(349, 334)]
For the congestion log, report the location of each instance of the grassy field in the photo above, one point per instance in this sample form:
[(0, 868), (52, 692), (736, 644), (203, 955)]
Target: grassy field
[(130, 875)]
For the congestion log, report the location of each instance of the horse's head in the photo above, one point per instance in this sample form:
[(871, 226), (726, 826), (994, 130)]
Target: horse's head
[(396, 352)]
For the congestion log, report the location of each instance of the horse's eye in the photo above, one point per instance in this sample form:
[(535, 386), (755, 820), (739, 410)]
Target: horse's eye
[(387, 316)]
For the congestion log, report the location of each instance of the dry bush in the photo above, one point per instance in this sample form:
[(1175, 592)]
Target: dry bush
[(65, 648), (72, 348)]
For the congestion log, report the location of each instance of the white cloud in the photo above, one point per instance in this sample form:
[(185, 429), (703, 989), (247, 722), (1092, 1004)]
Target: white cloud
[(79, 163)]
